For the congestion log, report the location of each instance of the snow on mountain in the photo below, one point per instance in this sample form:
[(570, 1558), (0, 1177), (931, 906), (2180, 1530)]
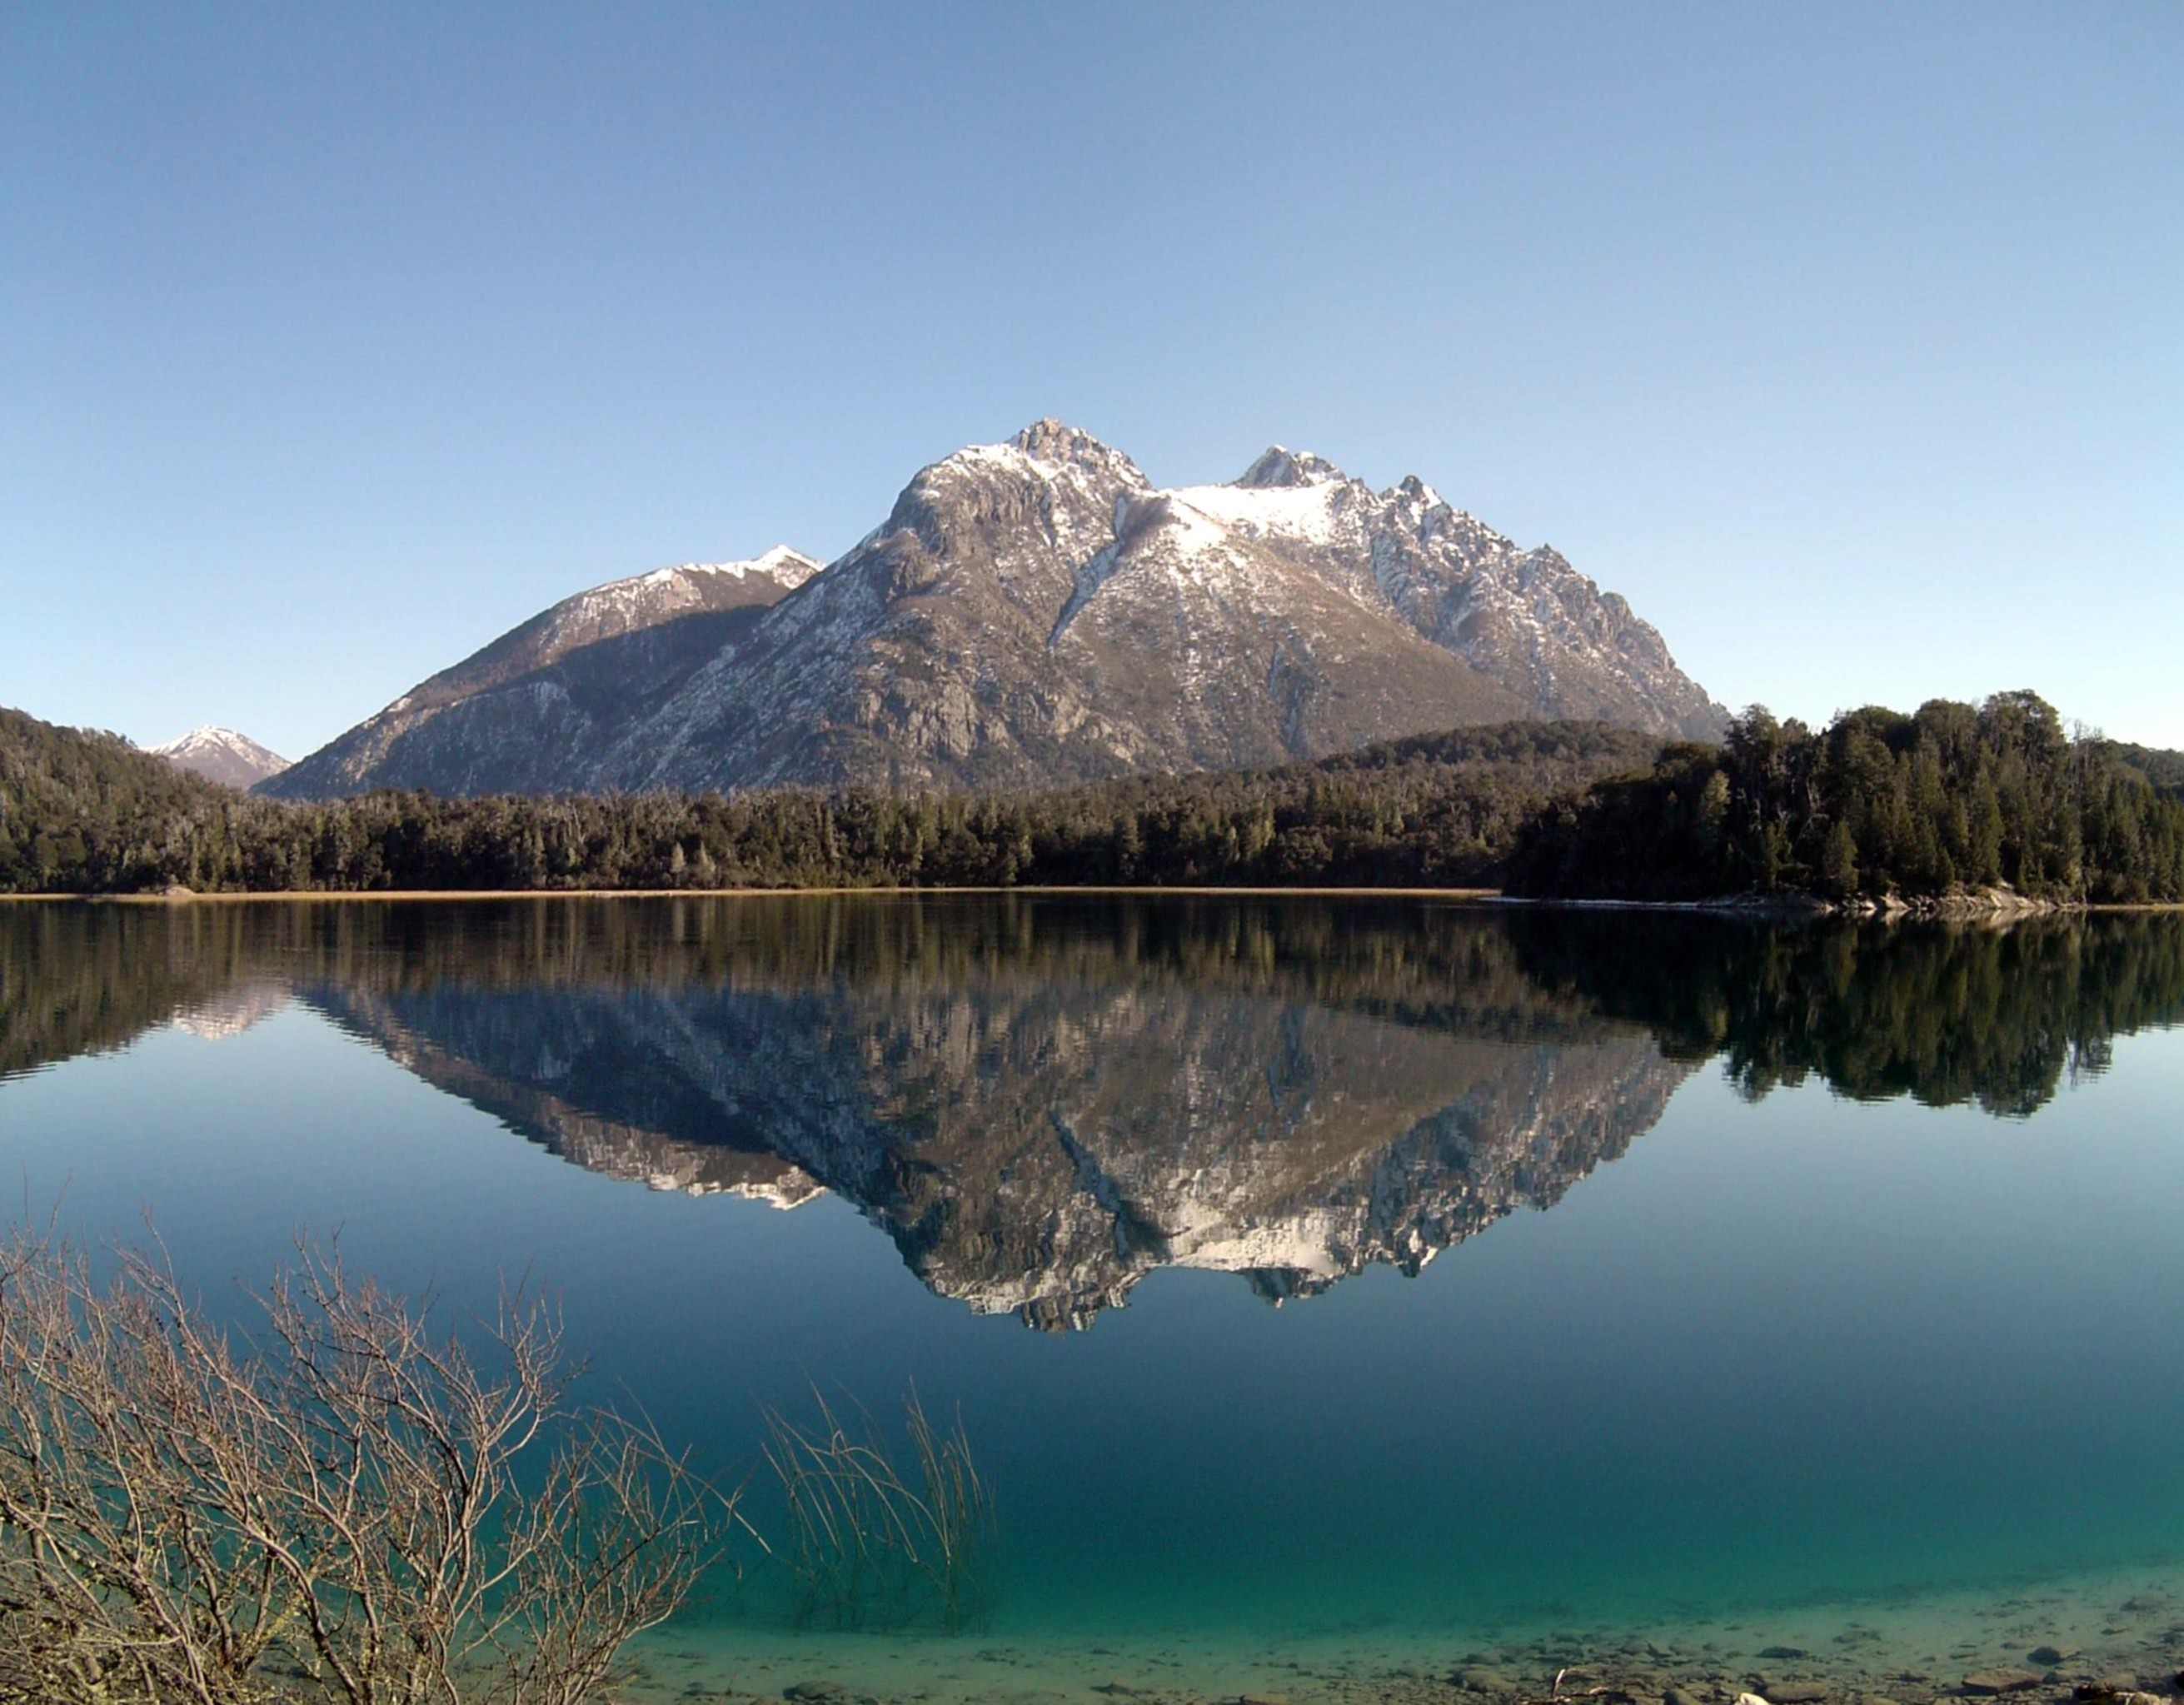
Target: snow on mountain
[(222, 756), (544, 692), (1032, 613)]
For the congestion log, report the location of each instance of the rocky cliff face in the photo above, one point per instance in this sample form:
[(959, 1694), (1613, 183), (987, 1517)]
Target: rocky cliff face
[(1035, 613), (1037, 1146)]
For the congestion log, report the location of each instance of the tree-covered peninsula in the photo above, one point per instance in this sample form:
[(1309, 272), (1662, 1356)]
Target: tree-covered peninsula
[(1877, 805)]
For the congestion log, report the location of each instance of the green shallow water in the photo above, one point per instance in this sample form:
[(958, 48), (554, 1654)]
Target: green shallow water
[(1313, 1278)]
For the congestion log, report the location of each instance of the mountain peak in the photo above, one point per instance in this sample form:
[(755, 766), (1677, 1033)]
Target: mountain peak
[(221, 754), (1281, 466), (784, 562), (1057, 444), (1044, 448), (1050, 440), (204, 734), (208, 735)]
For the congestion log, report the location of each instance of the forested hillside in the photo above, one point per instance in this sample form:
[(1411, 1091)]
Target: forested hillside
[(1877, 804), (87, 813), (2165, 770), (82, 810)]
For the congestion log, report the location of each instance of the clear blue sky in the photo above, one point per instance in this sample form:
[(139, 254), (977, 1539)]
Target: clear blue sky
[(1847, 341)]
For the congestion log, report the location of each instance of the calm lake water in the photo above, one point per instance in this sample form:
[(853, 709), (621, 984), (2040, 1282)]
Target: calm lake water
[(1308, 1273)]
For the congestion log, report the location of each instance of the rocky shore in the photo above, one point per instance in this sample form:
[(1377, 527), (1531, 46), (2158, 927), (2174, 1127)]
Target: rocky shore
[(2120, 1644), (1999, 905)]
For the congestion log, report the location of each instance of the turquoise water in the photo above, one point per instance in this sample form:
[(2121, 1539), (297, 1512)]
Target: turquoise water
[(1297, 1267)]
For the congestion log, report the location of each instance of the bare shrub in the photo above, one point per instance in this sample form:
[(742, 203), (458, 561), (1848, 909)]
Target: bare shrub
[(869, 1543), (357, 1509)]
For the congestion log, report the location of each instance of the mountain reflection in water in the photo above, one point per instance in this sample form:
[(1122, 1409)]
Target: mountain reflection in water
[(1041, 1097)]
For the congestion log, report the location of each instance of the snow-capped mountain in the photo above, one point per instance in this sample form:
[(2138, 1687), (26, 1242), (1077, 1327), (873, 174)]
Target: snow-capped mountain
[(1039, 612), (221, 754)]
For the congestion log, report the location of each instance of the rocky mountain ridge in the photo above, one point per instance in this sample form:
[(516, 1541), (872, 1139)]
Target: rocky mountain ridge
[(540, 697), (1030, 613)]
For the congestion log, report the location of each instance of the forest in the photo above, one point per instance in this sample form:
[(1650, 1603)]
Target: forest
[(1878, 803), (87, 813), (1950, 798)]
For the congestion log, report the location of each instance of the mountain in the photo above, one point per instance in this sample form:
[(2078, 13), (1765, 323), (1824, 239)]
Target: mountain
[(222, 756), (1036, 613), (536, 704)]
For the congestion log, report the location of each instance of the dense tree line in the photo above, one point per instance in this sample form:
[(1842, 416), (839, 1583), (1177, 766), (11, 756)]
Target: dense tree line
[(88, 813), (1877, 804)]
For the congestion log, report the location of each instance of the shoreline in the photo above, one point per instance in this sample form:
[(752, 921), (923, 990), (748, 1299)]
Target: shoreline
[(1781, 909), (1331, 892), (1962, 909), (2107, 1635)]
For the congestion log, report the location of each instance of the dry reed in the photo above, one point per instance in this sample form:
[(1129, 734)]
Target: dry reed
[(870, 1544)]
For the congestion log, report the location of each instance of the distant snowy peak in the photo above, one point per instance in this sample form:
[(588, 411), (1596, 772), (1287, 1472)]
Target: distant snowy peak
[(220, 754), (789, 566)]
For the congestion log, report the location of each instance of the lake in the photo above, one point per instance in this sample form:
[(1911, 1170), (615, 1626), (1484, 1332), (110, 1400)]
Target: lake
[(1335, 1292)]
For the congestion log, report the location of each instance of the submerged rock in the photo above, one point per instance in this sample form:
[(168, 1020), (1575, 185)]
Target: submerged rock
[(1987, 1683)]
